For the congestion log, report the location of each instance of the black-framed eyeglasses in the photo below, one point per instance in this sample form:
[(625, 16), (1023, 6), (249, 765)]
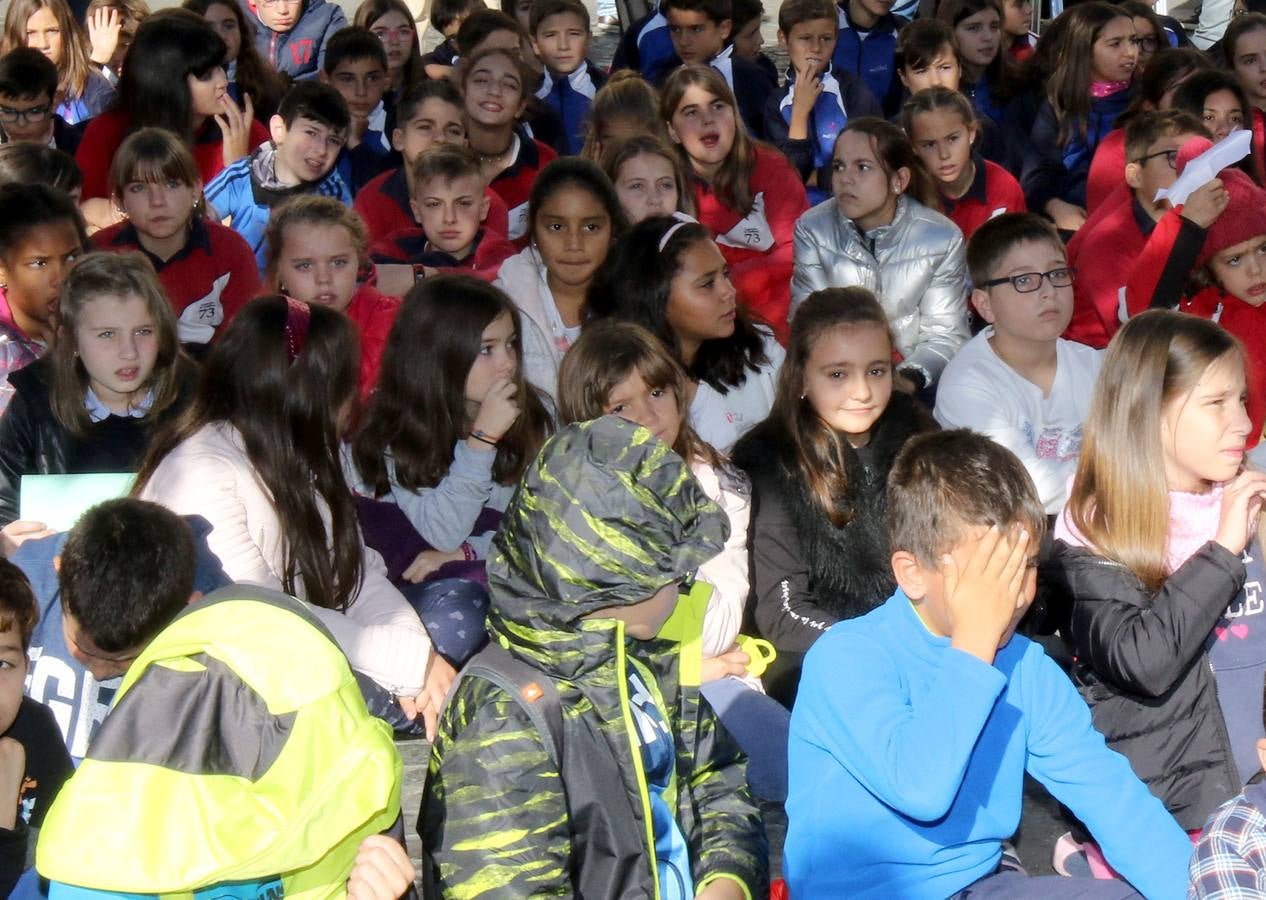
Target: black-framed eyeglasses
[(1028, 282), (1171, 157), (34, 114), (1146, 43)]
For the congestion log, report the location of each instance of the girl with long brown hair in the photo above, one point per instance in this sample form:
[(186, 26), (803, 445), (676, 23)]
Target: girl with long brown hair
[(93, 401), (50, 27), (1167, 629), (1090, 84), (747, 194), (391, 22), (818, 466), (257, 455)]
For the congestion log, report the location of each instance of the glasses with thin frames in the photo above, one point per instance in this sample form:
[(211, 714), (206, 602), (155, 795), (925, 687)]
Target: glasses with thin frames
[(1028, 282)]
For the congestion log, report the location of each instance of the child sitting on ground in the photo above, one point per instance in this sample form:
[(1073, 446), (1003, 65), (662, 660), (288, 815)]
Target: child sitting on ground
[(1139, 227), (356, 66), (1229, 860), (451, 203), (916, 723), (1017, 381), (308, 133), (700, 31), (560, 34), (291, 35), (33, 761), (430, 114), (28, 86), (41, 234), (804, 119), (218, 672), (606, 525)]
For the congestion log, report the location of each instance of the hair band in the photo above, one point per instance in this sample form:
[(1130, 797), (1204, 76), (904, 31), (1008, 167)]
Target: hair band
[(298, 317), (682, 220)]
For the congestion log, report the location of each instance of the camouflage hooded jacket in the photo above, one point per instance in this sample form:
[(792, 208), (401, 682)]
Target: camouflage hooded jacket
[(605, 516)]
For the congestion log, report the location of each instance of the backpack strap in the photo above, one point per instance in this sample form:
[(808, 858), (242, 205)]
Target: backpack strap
[(531, 689)]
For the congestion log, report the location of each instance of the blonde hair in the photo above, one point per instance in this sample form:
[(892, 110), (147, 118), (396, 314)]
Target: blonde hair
[(1119, 500), (309, 210), (97, 275), (153, 156), (626, 97)]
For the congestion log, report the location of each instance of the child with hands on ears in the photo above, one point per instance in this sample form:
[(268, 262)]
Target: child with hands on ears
[(1153, 548)]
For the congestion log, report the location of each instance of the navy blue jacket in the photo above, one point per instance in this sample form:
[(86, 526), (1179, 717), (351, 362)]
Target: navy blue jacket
[(858, 101), (569, 97), (1058, 170), (647, 48), (869, 55), (299, 52)]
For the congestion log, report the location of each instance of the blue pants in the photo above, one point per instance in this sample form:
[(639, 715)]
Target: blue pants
[(759, 724), (455, 613)]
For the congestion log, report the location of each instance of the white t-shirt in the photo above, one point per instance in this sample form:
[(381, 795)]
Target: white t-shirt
[(721, 419), (981, 392)]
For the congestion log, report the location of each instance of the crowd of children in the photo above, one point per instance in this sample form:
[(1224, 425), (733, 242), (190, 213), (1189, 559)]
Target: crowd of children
[(670, 444)]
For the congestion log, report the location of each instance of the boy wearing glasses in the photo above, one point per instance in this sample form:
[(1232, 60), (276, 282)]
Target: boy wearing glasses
[(28, 81), (1017, 381), (1129, 221), (292, 34)]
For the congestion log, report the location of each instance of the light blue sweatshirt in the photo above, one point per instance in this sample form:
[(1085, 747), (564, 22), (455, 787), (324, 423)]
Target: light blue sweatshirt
[(907, 761)]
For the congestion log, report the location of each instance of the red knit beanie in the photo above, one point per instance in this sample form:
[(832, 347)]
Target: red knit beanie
[(1245, 215)]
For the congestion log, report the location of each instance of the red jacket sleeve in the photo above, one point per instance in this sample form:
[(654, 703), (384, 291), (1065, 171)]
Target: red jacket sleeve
[(244, 282), (1107, 169), (498, 219)]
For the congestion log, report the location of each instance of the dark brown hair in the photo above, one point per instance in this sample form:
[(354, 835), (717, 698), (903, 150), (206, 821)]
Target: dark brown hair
[(18, 609), (819, 449), (894, 151), (287, 414), (994, 240), (418, 412)]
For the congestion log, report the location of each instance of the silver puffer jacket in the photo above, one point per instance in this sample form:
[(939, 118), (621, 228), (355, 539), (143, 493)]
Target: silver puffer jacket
[(915, 266)]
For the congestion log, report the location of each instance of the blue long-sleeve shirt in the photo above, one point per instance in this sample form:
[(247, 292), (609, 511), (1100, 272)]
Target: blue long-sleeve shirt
[(907, 761)]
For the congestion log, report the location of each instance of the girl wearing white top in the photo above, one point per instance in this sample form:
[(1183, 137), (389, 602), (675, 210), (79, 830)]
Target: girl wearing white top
[(257, 454), (669, 276)]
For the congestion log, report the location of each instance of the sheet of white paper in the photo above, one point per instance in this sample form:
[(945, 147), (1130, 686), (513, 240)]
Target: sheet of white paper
[(58, 500), (1205, 167)]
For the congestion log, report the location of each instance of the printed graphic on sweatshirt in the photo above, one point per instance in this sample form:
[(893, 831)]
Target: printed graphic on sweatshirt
[(1237, 653), (199, 320), (79, 702), (1054, 441), (753, 231)]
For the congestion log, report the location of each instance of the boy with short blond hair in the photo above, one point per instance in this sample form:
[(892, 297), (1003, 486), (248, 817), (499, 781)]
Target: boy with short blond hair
[(916, 723), (560, 34), (450, 202), (1017, 381)]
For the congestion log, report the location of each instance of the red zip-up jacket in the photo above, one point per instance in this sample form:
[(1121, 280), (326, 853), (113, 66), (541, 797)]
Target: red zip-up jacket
[(762, 277), (383, 205)]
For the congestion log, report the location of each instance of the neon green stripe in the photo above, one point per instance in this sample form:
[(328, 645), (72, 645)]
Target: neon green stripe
[(622, 682)]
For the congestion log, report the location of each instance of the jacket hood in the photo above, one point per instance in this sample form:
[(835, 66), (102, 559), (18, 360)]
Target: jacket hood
[(605, 516)]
